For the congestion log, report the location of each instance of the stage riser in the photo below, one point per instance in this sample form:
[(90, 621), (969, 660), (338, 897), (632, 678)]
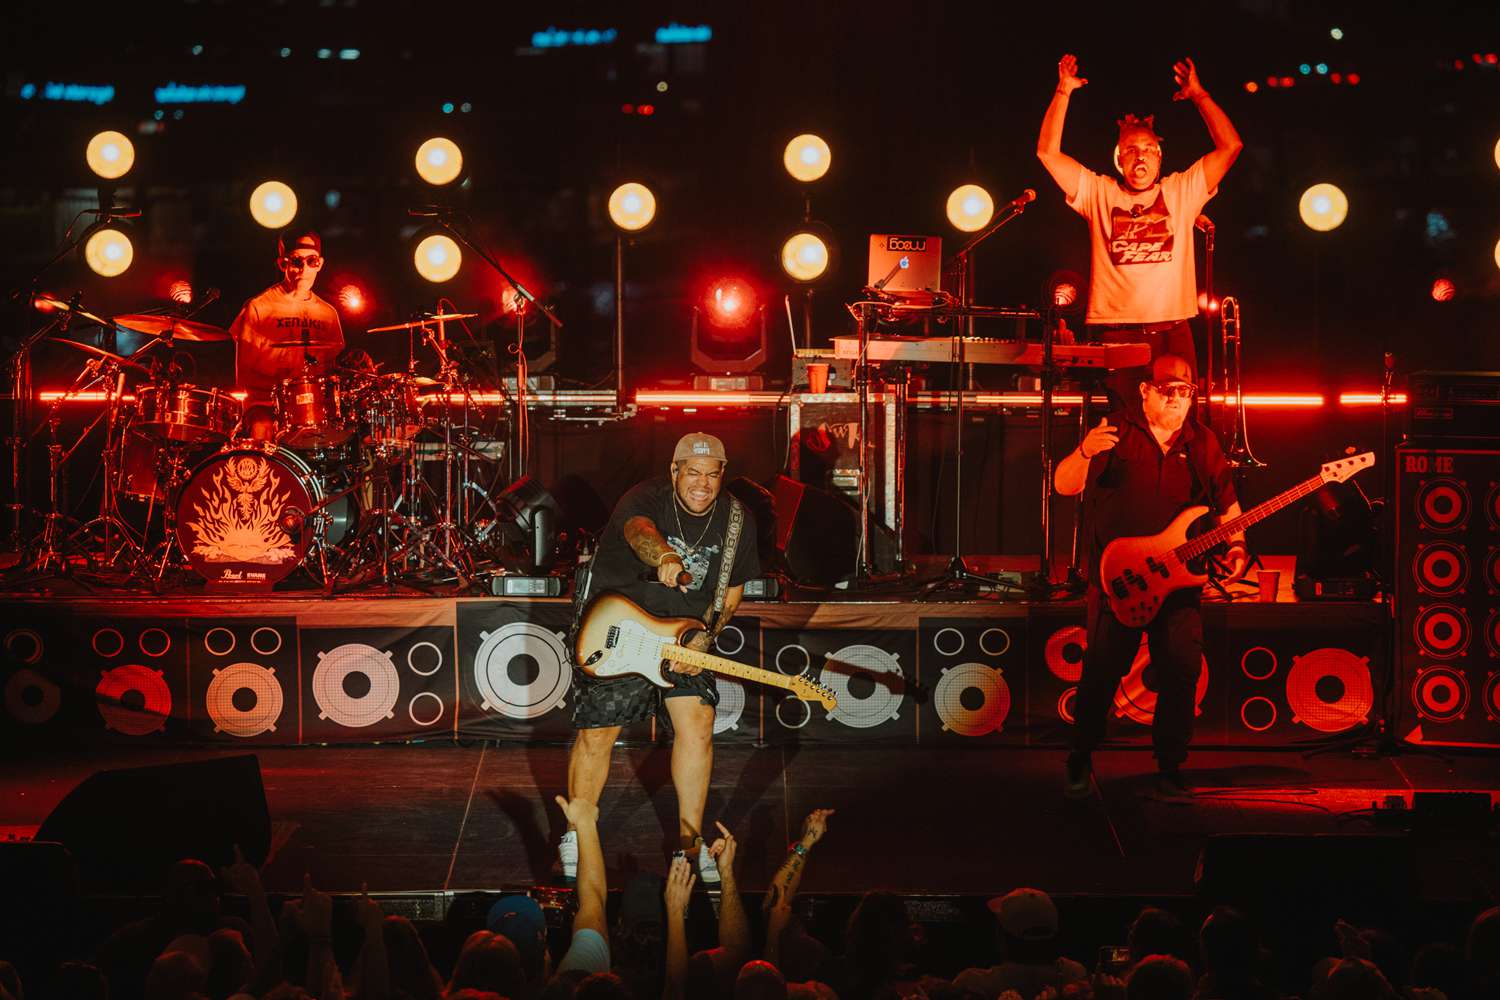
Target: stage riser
[(309, 672)]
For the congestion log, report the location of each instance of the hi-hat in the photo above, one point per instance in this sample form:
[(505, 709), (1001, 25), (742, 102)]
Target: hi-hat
[(424, 321), (171, 328), (46, 303), (100, 352)]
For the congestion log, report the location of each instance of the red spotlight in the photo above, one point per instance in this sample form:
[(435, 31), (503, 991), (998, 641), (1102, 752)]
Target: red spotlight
[(1335, 78), (1353, 79), (180, 292), (648, 109), (1204, 305), (1287, 81), (1064, 293), (730, 302), (1273, 81), (352, 298), (1443, 290), (1251, 86), (627, 109)]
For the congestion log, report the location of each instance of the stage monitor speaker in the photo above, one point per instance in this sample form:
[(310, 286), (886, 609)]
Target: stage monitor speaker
[(1272, 872), (1448, 595), (817, 533), (127, 827)]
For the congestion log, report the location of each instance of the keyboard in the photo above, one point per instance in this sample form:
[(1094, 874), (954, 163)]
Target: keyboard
[(987, 351)]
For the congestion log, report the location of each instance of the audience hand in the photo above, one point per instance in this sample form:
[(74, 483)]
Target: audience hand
[(1107, 987), (1351, 941), (680, 879), (315, 916), (367, 912), (240, 876), (579, 810), (722, 850), (814, 826)]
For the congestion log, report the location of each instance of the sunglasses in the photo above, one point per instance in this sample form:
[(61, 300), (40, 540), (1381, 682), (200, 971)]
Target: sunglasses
[(1171, 390), (311, 260)]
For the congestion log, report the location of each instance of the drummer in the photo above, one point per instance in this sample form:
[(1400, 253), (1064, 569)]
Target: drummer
[(269, 332)]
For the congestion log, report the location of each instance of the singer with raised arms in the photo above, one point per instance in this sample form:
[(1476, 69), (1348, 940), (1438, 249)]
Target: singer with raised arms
[(1142, 281)]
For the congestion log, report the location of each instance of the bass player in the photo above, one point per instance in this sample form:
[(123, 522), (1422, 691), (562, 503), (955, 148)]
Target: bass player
[(1137, 469)]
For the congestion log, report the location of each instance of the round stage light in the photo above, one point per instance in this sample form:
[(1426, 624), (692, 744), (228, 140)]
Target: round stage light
[(632, 206), (1323, 207), (181, 292), (731, 302), (108, 253), (439, 161), (807, 157), (1497, 253), (1443, 290), (970, 208), (110, 155), (1497, 152), (352, 298), (438, 257), (273, 204), (804, 256)]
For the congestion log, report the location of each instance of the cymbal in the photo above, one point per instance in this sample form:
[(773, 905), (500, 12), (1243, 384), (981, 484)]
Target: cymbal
[(47, 303), (171, 327), (425, 321), (100, 352)]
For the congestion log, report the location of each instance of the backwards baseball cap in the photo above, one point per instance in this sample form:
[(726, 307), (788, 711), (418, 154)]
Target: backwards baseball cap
[(519, 918), (304, 241), (1171, 368), (1027, 914), (699, 445)]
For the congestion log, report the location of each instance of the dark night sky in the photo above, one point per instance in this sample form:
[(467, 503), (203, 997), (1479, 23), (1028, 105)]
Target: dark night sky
[(913, 98)]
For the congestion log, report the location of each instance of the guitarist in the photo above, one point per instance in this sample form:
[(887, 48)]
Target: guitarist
[(666, 547), (1138, 469)]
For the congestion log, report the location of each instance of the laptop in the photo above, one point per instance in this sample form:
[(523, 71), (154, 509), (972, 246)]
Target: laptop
[(905, 266)]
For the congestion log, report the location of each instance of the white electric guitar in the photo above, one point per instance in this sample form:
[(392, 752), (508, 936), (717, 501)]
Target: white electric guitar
[(1139, 572), (617, 638)]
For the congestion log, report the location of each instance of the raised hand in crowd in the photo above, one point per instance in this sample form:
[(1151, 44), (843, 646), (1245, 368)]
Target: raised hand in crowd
[(678, 894), (315, 920), (783, 887), (373, 965), (243, 878)]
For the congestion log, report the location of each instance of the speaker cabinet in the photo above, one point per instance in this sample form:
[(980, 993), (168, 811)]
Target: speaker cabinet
[(517, 675), (870, 674), (1447, 595), (378, 683), (244, 677), (737, 716), (972, 674)]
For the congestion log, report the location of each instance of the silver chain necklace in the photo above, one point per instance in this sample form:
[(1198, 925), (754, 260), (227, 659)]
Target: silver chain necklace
[(676, 503)]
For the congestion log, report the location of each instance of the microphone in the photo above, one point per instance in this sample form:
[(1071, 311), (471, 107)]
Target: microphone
[(1203, 224), (1021, 200)]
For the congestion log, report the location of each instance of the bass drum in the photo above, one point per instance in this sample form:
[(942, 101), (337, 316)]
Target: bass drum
[(244, 521)]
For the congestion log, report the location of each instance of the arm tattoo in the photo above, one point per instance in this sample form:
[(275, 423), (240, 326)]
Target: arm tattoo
[(646, 541)]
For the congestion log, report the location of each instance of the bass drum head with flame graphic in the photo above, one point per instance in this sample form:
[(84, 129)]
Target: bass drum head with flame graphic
[(242, 518)]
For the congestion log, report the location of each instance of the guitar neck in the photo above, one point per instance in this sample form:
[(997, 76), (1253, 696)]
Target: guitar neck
[(1195, 548), (720, 665)]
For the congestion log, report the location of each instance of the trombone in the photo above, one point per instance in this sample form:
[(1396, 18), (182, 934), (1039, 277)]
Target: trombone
[(1238, 454)]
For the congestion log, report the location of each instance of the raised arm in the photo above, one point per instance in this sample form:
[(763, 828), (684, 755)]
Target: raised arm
[(1072, 472), (583, 816), (1063, 168), (679, 892), (1227, 144), (734, 924), (783, 887)]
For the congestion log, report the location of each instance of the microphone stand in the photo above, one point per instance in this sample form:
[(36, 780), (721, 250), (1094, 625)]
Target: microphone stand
[(957, 572)]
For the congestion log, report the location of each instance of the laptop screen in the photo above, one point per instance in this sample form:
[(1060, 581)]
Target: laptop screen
[(900, 263)]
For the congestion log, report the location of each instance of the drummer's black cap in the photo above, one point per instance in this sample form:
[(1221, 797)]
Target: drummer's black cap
[(302, 241)]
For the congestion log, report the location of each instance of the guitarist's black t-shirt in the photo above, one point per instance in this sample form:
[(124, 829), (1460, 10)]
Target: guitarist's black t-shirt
[(699, 540), (1136, 489)]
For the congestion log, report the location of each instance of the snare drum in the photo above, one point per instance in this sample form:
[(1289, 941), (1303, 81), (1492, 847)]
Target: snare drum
[(390, 411), (310, 412), (184, 412), (244, 518)]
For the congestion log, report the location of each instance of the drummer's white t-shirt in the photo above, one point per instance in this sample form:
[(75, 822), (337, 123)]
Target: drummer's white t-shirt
[(1141, 256), (268, 335)]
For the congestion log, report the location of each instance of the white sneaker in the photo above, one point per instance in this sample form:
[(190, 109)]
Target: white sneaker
[(567, 853), (708, 867)]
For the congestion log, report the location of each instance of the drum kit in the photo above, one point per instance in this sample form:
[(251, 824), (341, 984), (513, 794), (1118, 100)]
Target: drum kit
[(349, 476)]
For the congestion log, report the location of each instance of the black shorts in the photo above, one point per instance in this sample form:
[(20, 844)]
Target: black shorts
[(619, 701)]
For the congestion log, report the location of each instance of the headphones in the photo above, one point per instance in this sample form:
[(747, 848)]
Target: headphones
[(1121, 170)]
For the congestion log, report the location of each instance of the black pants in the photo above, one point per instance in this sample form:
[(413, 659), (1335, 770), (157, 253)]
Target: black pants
[(1175, 636)]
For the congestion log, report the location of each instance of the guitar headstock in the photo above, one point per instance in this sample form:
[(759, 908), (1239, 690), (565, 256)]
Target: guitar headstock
[(1337, 472), (810, 690)]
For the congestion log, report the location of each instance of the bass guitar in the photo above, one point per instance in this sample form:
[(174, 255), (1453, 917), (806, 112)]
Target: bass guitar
[(1138, 572), (617, 637)]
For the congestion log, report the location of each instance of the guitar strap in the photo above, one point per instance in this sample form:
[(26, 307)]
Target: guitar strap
[(726, 564)]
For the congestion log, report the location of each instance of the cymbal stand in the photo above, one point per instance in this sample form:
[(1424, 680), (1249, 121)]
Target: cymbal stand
[(53, 544), (444, 539), (119, 538)]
